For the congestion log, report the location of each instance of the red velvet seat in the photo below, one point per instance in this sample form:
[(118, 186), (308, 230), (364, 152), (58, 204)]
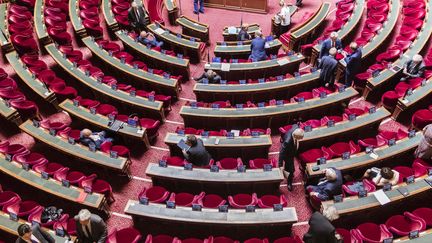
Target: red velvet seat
[(68, 224), (21, 208), (60, 35), (260, 162), (256, 240), (419, 169), (311, 155), (390, 55), (63, 91), (229, 163), (7, 197), (130, 235), (242, 200), (155, 194), (306, 95), (397, 135), (121, 150), (87, 103), (313, 123), (49, 168), (222, 239), (378, 141), (36, 216), (98, 186), (11, 94), (29, 158), (7, 148), (373, 233), (425, 214), (404, 172), (267, 201), (74, 177), (339, 148), (421, 118), (151, 126), (294, 239), (402, 225), (211, 201), (184, 199), (160, 239), (106, 109), (336, 119), (346, 235), (47, 124), (367, 185)]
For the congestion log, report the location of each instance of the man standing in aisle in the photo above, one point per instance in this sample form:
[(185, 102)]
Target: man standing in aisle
[(283, 17), (288, 151), (90, 227), (137, 17), (201, 6), (332, 42), (353, 64), (328, 66)]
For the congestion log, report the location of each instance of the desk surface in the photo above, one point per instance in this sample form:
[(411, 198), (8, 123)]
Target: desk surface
[(76, 150), (170, 5), (99, 120), (424, 237), (243, 49), (252, 28), (108, 14), (6, 112), (74, 16), (172, 38), (313, 23), (222, 177), (211, 216), (417, 95), (362, 159), (51, 186), (356, 204), (4, 33), (192, 24), (38, 15)]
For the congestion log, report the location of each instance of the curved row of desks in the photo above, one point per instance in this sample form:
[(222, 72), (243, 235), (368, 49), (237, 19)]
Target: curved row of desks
[(111, 22), (253, 70), (152, 108), (9, 113), (5, 43), (77, 150), (408, 102), (173, 10), (346, 29), (244, 50), (194, 28), (251, 29), (424, 237), (363, 160), (269, 116), (75, 19), (386, 75), (39, 24)]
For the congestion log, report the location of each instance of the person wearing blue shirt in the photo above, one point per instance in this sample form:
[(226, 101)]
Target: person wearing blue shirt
[(258, 48), (147, 38), (332, 41), (353, 64), (329, 186)]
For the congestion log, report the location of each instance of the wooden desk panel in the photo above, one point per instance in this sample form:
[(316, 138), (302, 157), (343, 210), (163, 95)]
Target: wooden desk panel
[(9, 113), (75, 19), (39, 23), (173, 11), (255, 6), (5, 42), (243, 51), (251, 29), (194, 28), (419, 94), (110, 20)]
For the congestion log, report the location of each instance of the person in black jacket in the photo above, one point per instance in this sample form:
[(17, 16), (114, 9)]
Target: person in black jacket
[(328, 186), (288, 151), (88, 137), (197, 154), (90, 227), (414, 68), (320, 230), (243, 35), (33, 234), (137, 17), (210, 75), (328, 66)]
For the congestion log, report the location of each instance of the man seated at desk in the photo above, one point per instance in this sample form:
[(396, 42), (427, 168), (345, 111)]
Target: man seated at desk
[(197, 153), (148, 38), (258, 48), (210, 75), (382, 176), (414, 68), (329, 186), (88, 137), (243, 35)]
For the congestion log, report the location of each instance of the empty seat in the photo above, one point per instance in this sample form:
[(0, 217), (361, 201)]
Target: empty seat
[(211, 201), (155, 194), (402, 225), (242, 200), (130, 235), (267, 201)]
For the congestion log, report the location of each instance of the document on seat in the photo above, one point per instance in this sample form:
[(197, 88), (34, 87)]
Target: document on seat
[(381, 197), (225, 67), (282, 61), (159, 31)]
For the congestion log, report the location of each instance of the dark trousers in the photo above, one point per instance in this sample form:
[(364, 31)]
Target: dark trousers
[(348, 79), (289, 167), (283, 29)]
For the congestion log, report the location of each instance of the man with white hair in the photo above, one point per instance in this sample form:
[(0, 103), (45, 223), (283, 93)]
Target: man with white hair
[(137, 17), (328, 66), (332, 42), (414, 68), (353, 64), (258, 52), (90, 227), (328, 186), (288, 151), (283, 18), (320, 230)]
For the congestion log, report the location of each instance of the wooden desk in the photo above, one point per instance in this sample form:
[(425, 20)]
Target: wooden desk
[(75, 19), (245, 147), (424, 237), (110, 20), (101, 121), (251, 29), (386, 76), (255, 6), (168, 86), (244, 50), (224, 182), (6, 44), (255, 70), (269, 116), (343, 129), (152, 108), (362, 160), (39, 23), (76, 150), (256, 92), (244, 225), (9, 113), (346, 29), (31, 81), (180, 44), (301, 34), (173, 11), (194, 28), (379, 39), (419, 94), (174, 65), (52, 186)]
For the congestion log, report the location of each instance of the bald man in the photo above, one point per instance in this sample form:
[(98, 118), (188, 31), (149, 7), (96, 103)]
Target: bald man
[(137, 17), (414, 68), (328, 66)]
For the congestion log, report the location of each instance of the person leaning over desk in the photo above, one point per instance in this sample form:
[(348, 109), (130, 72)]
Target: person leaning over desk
[(197, 153)]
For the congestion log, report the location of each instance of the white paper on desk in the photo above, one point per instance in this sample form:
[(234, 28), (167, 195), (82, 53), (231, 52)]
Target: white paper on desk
[(267, 45), (159, 31), (225, 67), (207, 65), (232, 30), (405, 101), (236, 133), (381, 197), (282, 61), (373, 155)]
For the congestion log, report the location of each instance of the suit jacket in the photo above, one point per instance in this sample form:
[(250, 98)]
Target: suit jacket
[(320, 230), (41, 235), (327, 44), (327, 189), (415, 69), (243, 35), (99, 230), (140, 22), (258, 49), (288, 148), (353, 62), (328, 66), (198, 154)]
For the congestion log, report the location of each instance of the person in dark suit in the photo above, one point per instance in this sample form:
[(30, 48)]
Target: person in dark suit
[(201, 6), (90, 227), (88, 137), (137, 17), (328, 186), (147, 38), (328, 66), (288, 151), (258, 48), (33, 234), (210, 75), (414, 68), (243, 35), (197, 153), (332, 42), (353, 64), (320, 230)]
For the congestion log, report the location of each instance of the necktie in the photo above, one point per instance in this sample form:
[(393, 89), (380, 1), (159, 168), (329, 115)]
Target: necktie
[(333, 44), (87, 228), (137, 14)]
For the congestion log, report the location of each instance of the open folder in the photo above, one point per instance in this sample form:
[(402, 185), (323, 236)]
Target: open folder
[(182, 145), (381, 197)]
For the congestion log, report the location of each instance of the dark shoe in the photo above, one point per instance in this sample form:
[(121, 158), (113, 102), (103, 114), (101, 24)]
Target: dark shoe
[(195, 12), (201, 11), (289, 186)]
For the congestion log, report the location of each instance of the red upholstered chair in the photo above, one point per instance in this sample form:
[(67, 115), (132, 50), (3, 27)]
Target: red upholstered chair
[(87, 103), (390, 55), (422, 163), (346, 235), (419, 169), (49, 168), (284, 130), (130, 235), (63, 91), (160, 239), (98, 186), (242, 200), (256, 240), (68, 224), (155, 194), (425, 214), (7, 148), (222, 239), (185, 199), (399, 134), (174, 160), (378, 141), (11, 94), (59, 35), (267, 201), (106, 109), (404, 172), (355, 111), (47, 124), (294, 239), (7, 197), (339, 148), (193, 240), (373, 233), (29, 158), (414, 4), (8, 83), (260, 162), (121, 150), (211, 201), (311, 155), (151, 125), (306, 95), (229, 163), (21, 208), (313, 123), (402, 225), (36, 216), (368, 186), (421, 118)]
